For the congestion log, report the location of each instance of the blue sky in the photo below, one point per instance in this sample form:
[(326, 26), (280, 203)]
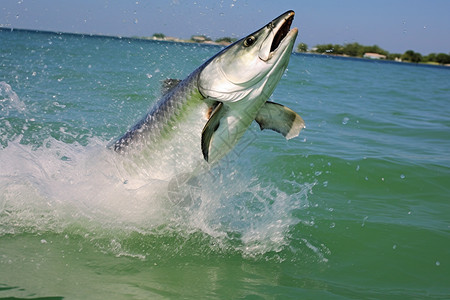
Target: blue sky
[(395, 25)]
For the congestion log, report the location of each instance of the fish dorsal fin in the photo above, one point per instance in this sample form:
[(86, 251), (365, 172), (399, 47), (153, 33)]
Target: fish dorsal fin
[(281, 119), (210, 128), (168, 85)]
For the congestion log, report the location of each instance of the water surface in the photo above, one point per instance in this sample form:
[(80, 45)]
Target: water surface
[(356, 207)]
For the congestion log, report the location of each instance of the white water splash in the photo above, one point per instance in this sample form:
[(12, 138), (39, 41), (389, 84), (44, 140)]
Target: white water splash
[(9, 100), (63, 186)]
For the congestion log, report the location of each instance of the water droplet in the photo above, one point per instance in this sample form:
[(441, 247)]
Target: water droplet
[(402, 176), (438, 263), (345, 120), (394, 247), (364, 221)]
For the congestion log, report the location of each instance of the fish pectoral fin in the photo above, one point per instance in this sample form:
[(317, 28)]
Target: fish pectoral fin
[(281, 119), (210, 128), (168, 85)]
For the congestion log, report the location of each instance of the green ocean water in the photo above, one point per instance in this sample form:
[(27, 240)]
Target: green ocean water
[(356, 207)]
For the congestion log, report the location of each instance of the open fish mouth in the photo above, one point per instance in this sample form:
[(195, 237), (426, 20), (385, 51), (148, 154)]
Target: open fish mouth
[(282, 32), (280, 36)]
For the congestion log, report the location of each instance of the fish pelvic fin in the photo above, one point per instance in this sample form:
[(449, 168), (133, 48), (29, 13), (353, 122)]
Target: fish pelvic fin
[(210, 128), (281, 119)]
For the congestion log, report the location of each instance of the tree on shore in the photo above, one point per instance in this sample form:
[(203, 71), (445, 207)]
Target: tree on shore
[(443, 58), (159, 35), (412, 56), (325, 48), (440, 58), (353, 49), (226, 40), (394, 56), (200, 38), (302, 47)]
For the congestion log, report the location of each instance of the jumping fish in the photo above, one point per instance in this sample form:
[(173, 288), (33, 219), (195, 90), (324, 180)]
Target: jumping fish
[(214, 106)]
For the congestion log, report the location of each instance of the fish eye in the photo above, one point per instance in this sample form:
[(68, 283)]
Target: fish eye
[(249, 41)]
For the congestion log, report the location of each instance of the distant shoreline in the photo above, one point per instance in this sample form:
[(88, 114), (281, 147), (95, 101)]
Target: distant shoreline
[(343, 56), (356, 58), (374, 52), (178, 40), (145, 38), (212, 43)]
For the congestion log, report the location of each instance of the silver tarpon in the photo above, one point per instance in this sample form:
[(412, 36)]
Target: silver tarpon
[(217, 102)]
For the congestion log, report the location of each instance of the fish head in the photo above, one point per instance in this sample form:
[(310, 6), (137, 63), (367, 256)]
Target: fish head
[(250, 63)]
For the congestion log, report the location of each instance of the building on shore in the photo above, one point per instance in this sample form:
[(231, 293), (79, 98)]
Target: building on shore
[(374, 56), (199, 38)]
